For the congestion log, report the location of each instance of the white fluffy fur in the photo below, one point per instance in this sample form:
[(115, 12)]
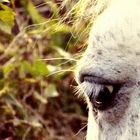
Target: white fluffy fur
[(114, 53)]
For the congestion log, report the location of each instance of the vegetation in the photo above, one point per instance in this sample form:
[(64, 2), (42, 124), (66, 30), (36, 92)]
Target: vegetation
[(40, 42)]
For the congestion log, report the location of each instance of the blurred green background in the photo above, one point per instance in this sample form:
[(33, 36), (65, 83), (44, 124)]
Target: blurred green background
[(40, 43)]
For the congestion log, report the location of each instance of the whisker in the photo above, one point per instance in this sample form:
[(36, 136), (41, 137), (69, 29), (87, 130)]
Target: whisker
[(65, 63), (81, 130), (61, 58), (78, 92), (59, 71), (57, 58), (42, 4)]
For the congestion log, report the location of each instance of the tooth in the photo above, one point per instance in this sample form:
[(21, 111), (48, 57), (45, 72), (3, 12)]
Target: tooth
[(110, 88)]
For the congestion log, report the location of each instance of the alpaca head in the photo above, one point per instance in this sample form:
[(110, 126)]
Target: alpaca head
[(108, 74)]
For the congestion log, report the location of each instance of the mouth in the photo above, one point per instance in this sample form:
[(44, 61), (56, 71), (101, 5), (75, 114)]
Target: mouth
[(102, 93)]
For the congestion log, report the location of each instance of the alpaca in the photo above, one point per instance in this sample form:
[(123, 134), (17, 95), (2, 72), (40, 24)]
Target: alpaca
[(108, 73)]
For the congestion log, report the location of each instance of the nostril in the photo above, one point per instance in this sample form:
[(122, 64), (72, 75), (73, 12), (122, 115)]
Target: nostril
[(101, 92), (85, 78), (102, 98), (81, 78)]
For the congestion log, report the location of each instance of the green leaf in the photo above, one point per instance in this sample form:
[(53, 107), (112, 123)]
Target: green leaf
[(39, 68), (8, 68), (35, 122), (7, 17), (40, 98), (51, 91), (25, 67), (32, 10), (9, 98), (63, 53), (4, 1), (54, 8)]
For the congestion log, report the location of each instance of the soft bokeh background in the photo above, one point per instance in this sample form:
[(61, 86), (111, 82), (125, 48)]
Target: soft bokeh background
[(40, 43)]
